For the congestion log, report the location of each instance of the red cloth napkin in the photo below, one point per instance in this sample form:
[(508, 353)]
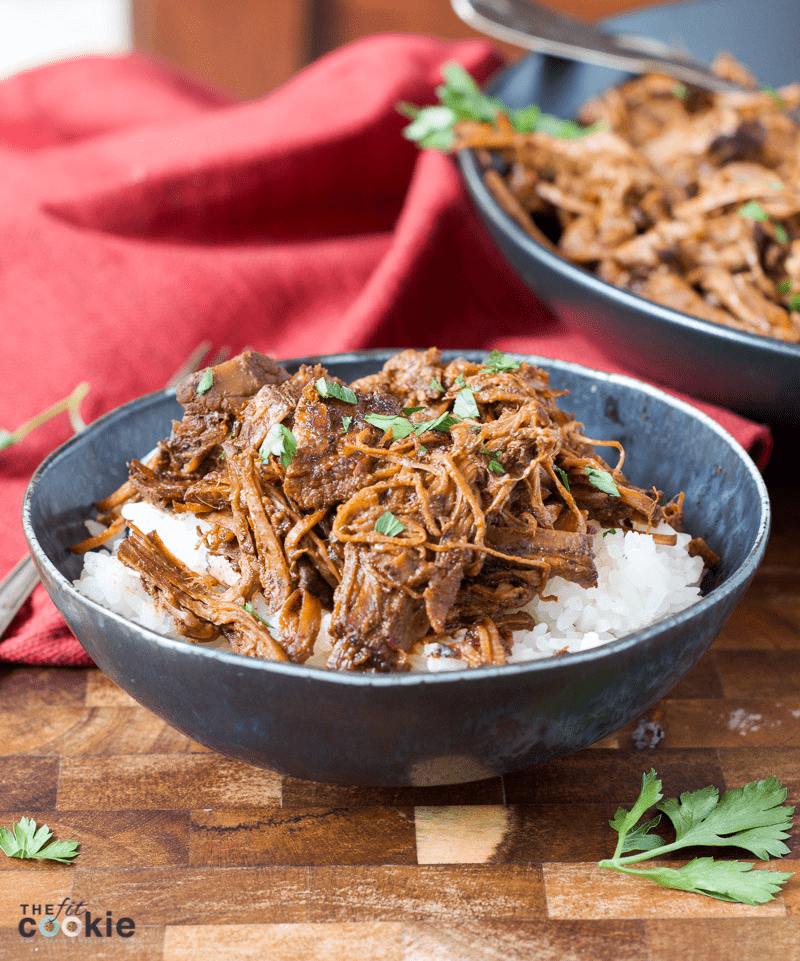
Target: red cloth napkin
[(142, 214)]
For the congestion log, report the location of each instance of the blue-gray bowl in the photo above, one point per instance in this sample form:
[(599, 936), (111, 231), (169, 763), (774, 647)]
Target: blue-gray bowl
[(414, 729), (749, 373)]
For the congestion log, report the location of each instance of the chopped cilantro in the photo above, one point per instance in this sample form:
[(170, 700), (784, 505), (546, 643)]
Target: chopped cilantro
[(399, 426), (603, 481), (753, 210), (784, 287), (499, 361), (794, 302), (330, 388), (464, 405), (441, 423), (776, 97), (435, 386), (279, 442), (680, 91), (609, 530), (460, 382), (564, 478), (780, 234), (251, 610), (408, 411), (460, 98), (206, 381), (388, 524), (346, 422)]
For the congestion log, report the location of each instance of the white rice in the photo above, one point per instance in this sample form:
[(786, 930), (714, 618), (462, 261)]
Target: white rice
[(639, 582)]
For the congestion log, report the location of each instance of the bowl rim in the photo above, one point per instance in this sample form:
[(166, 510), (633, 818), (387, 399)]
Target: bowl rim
[(580, 659), (470, 169)]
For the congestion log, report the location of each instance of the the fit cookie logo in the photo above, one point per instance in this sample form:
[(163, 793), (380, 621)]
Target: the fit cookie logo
[(72, 920)]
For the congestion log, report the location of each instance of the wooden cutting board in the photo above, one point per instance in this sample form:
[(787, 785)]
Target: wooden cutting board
[(209, 858)]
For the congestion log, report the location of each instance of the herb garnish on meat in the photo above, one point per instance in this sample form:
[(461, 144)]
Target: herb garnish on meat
[(295, 495)]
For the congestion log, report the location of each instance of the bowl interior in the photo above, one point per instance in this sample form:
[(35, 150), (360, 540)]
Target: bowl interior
[(756, 375), (414, 729), (725, 498)]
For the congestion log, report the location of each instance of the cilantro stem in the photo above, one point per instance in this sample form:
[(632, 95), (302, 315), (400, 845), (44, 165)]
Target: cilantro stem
[(70, 405)]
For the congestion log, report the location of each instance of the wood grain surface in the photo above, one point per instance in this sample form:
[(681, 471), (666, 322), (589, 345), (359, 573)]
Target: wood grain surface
[(213, 859)]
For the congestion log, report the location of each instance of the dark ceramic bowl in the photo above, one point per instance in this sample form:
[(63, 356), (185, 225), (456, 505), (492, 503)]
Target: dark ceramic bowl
[(754, 375), (414, 729)]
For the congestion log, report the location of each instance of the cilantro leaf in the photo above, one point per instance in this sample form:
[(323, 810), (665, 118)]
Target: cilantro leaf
[(499, 361), (399, 426), (25, 840), (251, 610), (753, 210), (564, 478), (464, 405), (794, 302), (330, 388), (279, 442), (346, 422), (602, 480), (206, 382), (388, 524), (752, 817), (441, 423), (723, 880), (460, 98), (435, 386)]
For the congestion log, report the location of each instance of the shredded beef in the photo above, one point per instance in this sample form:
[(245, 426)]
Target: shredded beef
[(687, 198), (426, 499)]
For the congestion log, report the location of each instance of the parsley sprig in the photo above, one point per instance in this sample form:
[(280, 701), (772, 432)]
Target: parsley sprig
[(752, 817), (26, 840), (70, 405), (461, 99)]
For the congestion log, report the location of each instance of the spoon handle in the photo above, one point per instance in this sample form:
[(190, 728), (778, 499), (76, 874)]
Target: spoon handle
[(15, 589)]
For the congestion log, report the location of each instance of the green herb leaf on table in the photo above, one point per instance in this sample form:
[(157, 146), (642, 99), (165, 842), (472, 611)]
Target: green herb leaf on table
[(330, 388), (603, 481), (399, 426), (465, 405), (25, 840), (69, 405), (206, 381), (753, 817), (280, 443), (388, 524)]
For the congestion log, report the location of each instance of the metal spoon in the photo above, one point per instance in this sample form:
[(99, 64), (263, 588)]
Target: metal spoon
[(536, 28)]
